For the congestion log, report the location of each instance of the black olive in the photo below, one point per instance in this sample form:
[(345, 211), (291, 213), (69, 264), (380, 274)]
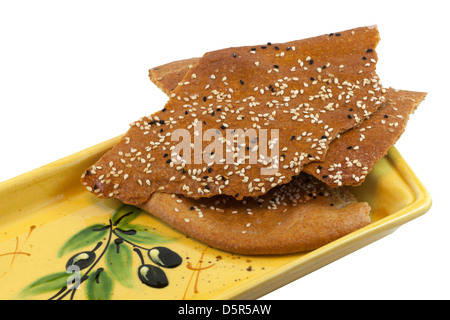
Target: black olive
[(164, 257), (152, 276)]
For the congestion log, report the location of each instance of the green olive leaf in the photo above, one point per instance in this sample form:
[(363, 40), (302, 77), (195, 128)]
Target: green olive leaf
[(52, 282), (118, 260), (140, 234), (83, 238), (125, 214), (99, 285)]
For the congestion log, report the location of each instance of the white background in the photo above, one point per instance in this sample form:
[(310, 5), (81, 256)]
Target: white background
[(75, 73)]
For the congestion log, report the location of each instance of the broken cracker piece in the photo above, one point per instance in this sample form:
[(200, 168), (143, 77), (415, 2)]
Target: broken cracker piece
[(351, 156), (280, 88), (167, 77)]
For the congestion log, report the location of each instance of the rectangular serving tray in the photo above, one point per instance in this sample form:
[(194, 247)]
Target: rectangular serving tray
[(42, 211)]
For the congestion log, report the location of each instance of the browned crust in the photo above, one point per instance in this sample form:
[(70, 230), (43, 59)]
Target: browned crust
[(318, 216), (168, 76)]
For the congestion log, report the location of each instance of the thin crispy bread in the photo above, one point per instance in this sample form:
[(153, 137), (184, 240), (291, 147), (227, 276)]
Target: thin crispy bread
[(277, 87), (299, 216), (276, 226), (351, 156), (168, 76)]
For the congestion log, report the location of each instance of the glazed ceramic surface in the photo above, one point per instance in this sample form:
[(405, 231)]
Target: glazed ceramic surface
[(58, 241)]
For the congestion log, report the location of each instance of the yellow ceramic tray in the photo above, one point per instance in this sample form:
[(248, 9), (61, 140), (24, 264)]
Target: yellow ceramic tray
[(47, 218)]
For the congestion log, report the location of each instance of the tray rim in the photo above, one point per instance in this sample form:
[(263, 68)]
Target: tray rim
[(308, 262), (345, 245)]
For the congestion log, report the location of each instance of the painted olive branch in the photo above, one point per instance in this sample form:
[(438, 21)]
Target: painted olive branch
[(99, 286), (86, 275)]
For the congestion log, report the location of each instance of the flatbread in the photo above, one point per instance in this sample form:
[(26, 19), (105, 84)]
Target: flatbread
[(299, 216), (353, 154), (302, 90)]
